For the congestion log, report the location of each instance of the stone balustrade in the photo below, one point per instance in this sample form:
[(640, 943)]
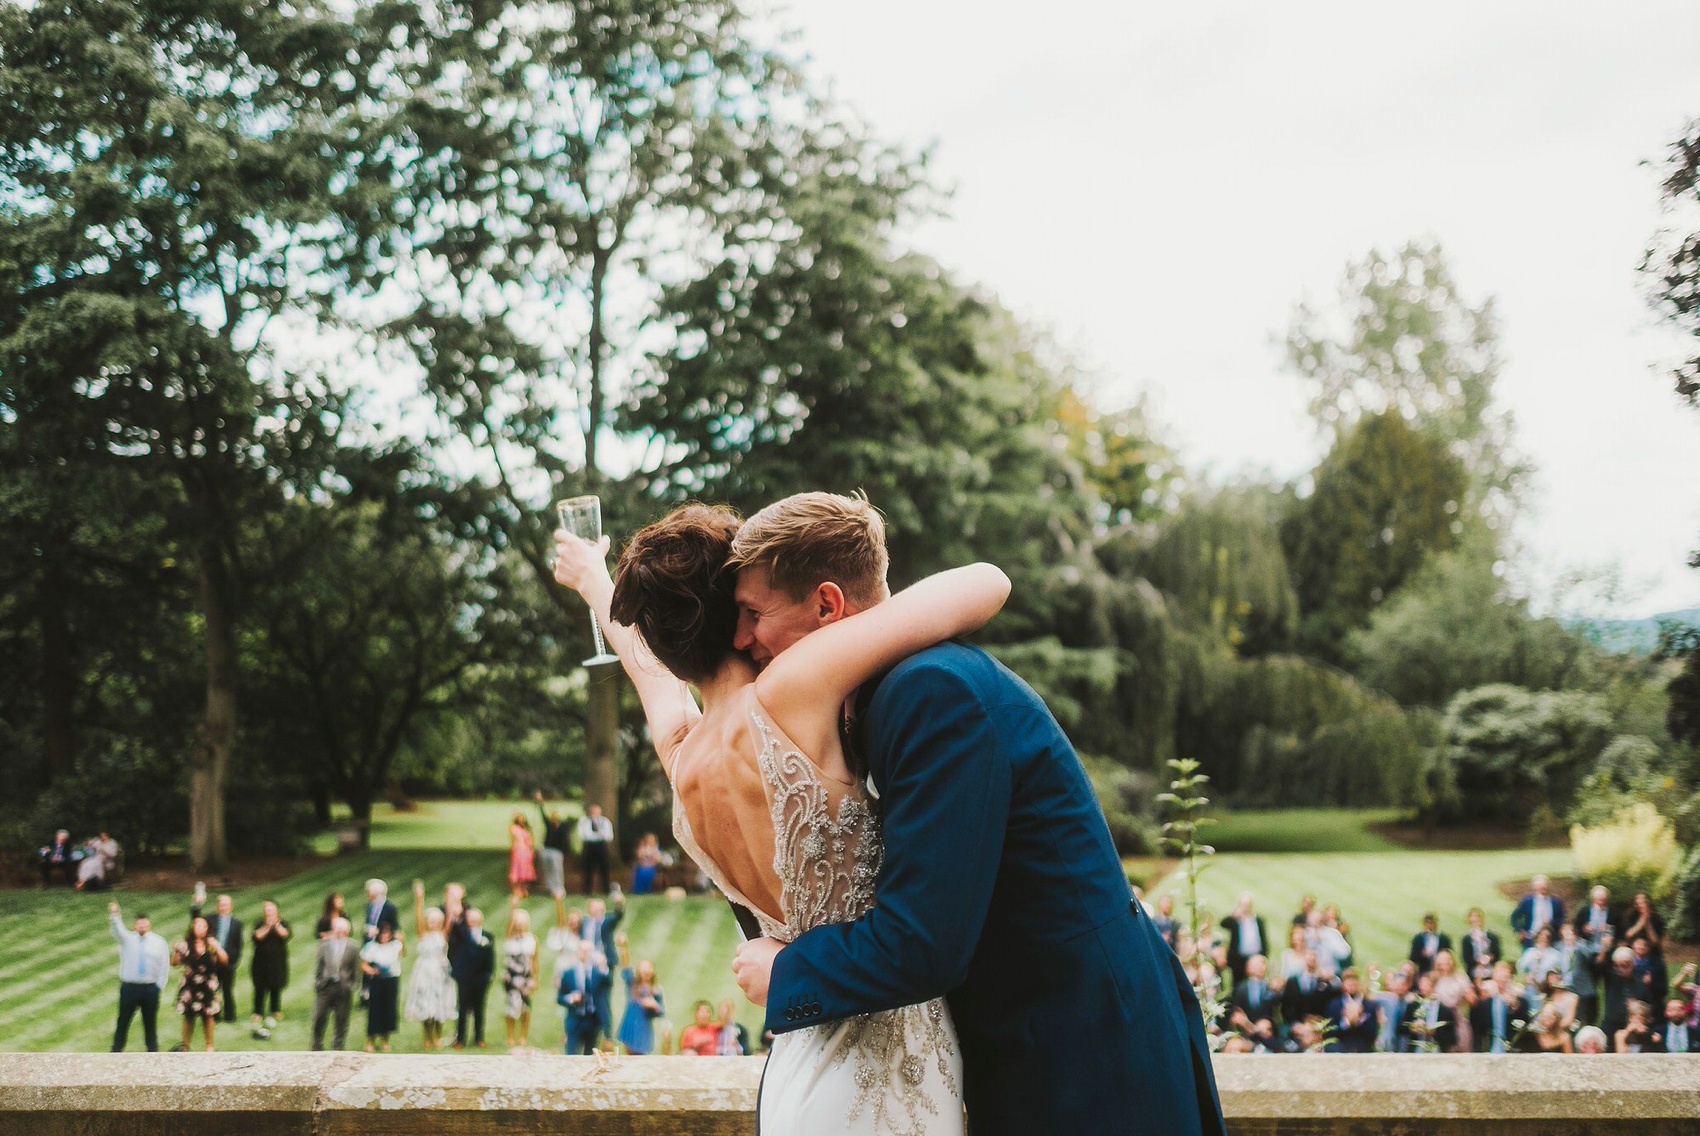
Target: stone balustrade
[(355, 1094)]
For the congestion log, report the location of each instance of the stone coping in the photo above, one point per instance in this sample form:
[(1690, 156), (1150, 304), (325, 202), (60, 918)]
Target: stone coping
[(259, 1094)]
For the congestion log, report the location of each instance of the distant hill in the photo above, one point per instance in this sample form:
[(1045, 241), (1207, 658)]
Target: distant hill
[(1631, 636)]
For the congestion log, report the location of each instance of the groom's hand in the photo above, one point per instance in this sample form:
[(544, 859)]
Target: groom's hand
[(754, 966)]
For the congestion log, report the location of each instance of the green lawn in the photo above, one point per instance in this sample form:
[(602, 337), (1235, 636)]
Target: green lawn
[(1382, 895), (1301, 830), (58, 985), (448, 824)]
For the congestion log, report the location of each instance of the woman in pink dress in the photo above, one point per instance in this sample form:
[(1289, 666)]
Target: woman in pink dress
[(1455, 991), (522, 867)]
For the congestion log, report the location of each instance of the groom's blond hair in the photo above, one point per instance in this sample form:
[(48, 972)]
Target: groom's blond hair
[(809, 539)]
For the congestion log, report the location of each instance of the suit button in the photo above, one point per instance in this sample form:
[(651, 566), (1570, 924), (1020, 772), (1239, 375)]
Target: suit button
[(790, 1014), (814, 1007)]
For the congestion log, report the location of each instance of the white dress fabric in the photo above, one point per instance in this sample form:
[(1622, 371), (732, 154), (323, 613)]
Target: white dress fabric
[(431, 996), (897, 1073)]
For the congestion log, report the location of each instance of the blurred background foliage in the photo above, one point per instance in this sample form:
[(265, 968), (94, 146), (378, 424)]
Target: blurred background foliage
[(307, 314)]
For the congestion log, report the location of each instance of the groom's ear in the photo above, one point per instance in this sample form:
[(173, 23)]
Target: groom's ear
[(830, 604)]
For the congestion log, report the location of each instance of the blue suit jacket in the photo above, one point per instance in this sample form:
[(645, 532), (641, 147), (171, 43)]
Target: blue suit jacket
[(583, 1014), (1001, 889), (1523, 917)]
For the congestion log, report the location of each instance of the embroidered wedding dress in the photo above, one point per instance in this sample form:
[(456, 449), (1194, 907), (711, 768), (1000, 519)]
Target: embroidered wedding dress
[(897, 1073)]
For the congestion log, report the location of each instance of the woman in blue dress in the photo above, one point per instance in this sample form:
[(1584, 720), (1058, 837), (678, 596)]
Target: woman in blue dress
[(643, 1005)]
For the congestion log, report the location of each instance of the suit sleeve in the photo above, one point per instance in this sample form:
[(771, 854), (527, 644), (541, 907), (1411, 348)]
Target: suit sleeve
[(945, 784)]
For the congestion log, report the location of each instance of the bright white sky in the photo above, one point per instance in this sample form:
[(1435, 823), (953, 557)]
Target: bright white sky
[(1159, 184)]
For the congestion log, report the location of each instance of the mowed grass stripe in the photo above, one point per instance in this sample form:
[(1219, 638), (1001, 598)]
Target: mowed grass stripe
[(60, 985), (81, 1016)]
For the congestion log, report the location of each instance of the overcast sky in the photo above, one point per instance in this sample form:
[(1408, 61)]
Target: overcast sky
[(1160, 184)]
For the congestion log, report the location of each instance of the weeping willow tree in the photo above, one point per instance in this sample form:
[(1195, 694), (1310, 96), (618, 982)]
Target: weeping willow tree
[(1168, 649), (1221, 564)]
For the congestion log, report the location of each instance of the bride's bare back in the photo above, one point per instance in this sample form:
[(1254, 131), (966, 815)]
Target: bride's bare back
[(719, 799), (781, 831)]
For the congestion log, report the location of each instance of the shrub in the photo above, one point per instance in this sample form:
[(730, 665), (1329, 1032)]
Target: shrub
[(1506, 751), (1633, 852), (1685, 919), (1128, 798), (1628, 772)]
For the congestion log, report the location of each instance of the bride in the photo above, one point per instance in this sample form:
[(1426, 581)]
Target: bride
[(764, 799)]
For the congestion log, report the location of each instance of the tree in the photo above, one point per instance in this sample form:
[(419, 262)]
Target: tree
[(1672, 262), (1405, 341), (171, 179), (1385, 498), (1673, 265), (1456, 626), (371, 625), (1219, 558), (1683, 718), (571, 173), (1506, 752)]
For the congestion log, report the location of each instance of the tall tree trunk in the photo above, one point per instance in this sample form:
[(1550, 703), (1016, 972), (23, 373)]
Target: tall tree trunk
[(595, 397), (360, 812), (602, 741), (58, 679), (601, 766), (217, 734), (320, 796)]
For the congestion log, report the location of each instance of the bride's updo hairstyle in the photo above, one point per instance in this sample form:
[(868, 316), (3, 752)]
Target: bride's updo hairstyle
[(674, 587)]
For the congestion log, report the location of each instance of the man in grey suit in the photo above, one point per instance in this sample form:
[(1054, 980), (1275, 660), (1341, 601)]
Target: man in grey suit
[(335, 976)]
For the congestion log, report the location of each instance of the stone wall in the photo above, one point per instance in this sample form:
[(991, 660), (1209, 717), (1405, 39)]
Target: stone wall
[(353, 1094)]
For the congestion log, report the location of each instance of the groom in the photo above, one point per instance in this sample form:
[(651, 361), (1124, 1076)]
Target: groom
[(1000, 888)]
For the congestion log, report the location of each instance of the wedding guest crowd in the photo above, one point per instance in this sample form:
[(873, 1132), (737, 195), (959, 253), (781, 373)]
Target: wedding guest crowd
[(1593, 981)]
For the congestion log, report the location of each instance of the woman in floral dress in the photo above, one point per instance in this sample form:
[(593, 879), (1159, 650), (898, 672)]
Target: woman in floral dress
[(199, 998), (519, 975)]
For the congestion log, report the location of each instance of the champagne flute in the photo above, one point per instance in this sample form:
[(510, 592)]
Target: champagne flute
[(582, 516)]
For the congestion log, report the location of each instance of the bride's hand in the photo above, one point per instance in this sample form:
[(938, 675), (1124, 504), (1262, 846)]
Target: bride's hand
[(577, 561), (753, 966)]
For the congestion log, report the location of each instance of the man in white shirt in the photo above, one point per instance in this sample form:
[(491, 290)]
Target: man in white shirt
[(595, 834), (1597, 918), (1247, 937), (1678, 1038), (599, 929), (144, 967), (1538, 909)]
